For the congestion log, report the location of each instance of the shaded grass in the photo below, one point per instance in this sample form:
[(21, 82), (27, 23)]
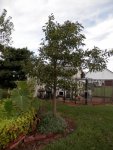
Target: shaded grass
[(94, 128)]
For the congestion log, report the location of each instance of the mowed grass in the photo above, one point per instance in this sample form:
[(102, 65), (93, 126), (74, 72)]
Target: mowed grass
[(94, 128)]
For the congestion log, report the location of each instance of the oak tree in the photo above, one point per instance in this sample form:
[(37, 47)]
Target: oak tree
[(62, 54)]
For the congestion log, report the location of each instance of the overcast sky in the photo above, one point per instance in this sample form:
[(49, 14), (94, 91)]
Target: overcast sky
[(29, 16)]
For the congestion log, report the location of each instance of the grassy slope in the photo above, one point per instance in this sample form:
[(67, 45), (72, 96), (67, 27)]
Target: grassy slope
[(94, 129)]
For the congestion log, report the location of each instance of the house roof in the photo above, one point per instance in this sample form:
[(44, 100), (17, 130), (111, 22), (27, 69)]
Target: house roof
[(106, 74)]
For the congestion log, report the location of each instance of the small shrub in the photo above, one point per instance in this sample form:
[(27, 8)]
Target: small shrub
[(3, 93), (51, 124), (8, 106), (13, 128), (22, 99)]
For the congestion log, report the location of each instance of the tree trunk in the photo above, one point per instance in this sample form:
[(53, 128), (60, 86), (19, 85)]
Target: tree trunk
[(54, 101), (72, 94), (54, 90), (35, 91), (64, 96)]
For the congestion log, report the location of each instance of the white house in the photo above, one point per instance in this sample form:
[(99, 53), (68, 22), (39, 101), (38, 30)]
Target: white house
[(67, 93), (103, 77), (41, 90), (106, 74), (77, 76)]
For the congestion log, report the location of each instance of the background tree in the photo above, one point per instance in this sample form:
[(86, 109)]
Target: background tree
[(62, 53), (12, 65), (6, 27)]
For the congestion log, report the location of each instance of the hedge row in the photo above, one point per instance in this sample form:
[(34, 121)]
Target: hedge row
[(13, 128)]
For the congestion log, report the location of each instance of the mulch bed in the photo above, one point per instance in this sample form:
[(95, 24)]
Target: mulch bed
[(37, 141), (94, 101)]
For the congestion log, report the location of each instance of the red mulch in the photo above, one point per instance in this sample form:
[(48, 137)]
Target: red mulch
[(93, 101), (38, 141)]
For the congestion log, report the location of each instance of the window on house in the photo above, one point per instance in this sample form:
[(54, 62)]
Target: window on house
[(82, 74), (61, 93)]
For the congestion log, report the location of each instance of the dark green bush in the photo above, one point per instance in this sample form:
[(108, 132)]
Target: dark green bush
[(52, 124), (3, 93), (8, 106)]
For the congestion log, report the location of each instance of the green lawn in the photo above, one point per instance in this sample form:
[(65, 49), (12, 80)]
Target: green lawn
[(94, 128)]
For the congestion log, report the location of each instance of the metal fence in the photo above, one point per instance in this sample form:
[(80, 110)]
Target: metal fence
[(87, 91), (97, 91)]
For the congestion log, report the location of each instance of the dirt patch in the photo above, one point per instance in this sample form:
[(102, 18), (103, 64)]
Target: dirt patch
[(37, 141), (72, 102)]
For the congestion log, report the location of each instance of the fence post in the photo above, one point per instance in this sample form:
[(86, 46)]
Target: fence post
[(86, 92), (104, 92), (112, 93)]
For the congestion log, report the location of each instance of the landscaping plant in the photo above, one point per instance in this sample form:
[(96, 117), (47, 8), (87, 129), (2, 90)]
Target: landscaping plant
[(52, 124)]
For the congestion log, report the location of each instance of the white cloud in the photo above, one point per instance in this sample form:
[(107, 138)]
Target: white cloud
[(101, 34), (30, 15)]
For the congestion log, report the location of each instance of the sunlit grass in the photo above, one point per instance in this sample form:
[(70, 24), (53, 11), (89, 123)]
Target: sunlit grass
[(94, 128)]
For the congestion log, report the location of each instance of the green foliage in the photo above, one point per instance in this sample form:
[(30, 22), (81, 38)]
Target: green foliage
[(12, 65), (3, 93), (52, 124), (31, 83), (11, 129), (8, 106), (17, 114), (22, 98), (19, 102), (3, 114), (96, 59), (61, 47)]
